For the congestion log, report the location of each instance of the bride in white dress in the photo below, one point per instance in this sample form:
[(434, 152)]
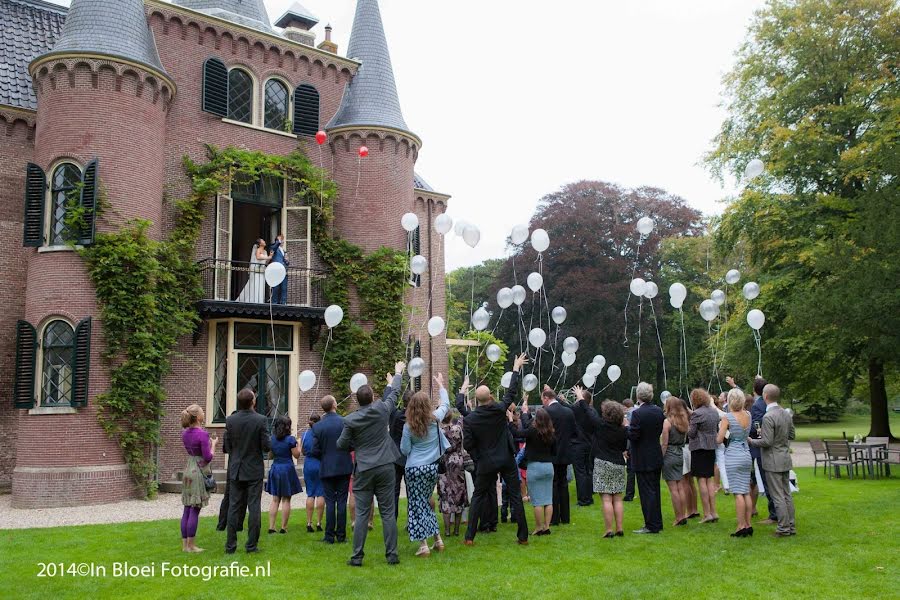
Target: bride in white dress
[(255, 290)]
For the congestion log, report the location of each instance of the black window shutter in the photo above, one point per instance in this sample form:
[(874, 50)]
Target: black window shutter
[(81, 363), (89, 202), (26, 355), (215, 87), (35, 198), (416, 249), (417, 353), (306, 110)]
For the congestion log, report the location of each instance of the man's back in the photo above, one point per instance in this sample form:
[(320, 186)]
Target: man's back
[(367, 431), (777, 432), (644, 431), (565, 432), (246, 441), (335, 462), (486, 436)]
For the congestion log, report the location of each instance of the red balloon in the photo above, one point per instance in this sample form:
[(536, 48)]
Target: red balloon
[(363, 151), (321, 136)]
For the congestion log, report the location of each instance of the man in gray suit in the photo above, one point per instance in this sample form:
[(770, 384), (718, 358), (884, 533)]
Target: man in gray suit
[(775, 437), (367, 432), (246, 441)]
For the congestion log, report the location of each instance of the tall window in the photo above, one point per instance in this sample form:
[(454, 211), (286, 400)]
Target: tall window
[(240, 96), (276, 105), (65, 180), (58, 351)]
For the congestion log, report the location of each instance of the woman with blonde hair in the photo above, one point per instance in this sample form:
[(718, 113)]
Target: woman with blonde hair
[(702, 431), (674, 437), (738, 462), (424, 444), (194, 495)]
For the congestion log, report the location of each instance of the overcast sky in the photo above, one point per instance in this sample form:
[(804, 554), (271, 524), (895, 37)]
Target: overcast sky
[(514, 98)]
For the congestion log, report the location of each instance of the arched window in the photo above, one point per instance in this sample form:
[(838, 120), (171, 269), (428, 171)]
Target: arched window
[(65, 180), (57, 359), (240, 96), (276, 105), (306, 110)]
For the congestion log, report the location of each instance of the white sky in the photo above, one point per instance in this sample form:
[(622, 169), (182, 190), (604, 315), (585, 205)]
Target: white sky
[(514, 98)]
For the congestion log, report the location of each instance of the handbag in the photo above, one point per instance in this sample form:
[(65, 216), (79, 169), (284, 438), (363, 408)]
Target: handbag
[(209, 480), (441, 461)]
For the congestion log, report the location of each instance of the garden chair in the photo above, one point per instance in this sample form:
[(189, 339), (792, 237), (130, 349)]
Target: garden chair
[(884, 457), (841, 455), (818, 448)]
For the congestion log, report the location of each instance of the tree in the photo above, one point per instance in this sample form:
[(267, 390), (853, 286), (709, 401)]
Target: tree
[(815, 95)]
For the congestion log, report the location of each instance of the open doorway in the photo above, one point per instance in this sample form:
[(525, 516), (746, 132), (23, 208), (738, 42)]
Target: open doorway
[(250, 222)]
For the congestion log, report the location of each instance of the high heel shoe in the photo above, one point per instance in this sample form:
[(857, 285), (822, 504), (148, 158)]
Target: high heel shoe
[(681, 522), (620, 533), (749, 532), (609, 534), (739, 533)]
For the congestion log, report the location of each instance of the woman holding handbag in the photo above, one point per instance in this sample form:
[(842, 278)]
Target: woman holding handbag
[(194, 487), (424, 444), (452, 482)]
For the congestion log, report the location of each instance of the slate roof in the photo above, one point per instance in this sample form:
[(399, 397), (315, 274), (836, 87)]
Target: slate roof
[(28, 28), (250, 13), (421, 184), (296, 12), (115, 28), (370, 99)]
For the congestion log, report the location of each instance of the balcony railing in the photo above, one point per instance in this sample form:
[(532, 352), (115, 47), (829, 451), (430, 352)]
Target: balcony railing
[(244, 283)]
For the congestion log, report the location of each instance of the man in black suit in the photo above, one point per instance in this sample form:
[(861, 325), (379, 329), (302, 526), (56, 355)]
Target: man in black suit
[(646, 456), (487, 439), (564, 426), (582, 463), (246, 441), (488, 518), (334, 471)]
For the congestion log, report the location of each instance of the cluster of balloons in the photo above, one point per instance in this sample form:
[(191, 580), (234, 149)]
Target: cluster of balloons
[(647, 289), (540, 241)]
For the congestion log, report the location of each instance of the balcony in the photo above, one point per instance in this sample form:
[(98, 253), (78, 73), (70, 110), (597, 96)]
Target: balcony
[(232, 289)]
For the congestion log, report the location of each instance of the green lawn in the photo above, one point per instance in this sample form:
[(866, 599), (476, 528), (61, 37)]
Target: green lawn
[(847, 547), (851, 424)]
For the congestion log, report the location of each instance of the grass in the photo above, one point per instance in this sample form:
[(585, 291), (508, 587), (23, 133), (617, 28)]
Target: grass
[(848, 542), (851, 424)]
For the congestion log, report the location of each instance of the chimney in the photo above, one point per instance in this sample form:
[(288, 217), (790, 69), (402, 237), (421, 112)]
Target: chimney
[(297, 22), (307, 38), (328, 45)]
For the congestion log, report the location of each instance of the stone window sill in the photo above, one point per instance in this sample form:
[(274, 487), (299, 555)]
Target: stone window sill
[(53, 410), (63, 248), (258, 128)]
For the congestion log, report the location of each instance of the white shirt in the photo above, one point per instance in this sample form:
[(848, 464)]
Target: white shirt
[(554, 401), (771, 406)]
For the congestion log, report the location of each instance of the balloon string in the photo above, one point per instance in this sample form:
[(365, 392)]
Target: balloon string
[(358, 173), (594, 394), (640, 317), (659, 340), (431, 292), (549, 314), (483, 348), (757, 336), (521, 315), (637, 256), (684, 347), (471, 314), (321, 368), (725, 325), (274, 354), (715, 371)]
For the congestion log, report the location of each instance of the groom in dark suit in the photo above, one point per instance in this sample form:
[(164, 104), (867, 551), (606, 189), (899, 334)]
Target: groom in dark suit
[(279, 294), (564, 430), (646, 456)]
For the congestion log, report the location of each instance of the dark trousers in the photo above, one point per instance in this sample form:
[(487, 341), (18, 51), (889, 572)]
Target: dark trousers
[(584, 474), (279, 294), (488, 512), (629, 486), (651, 504), (336, 490), (223, 508), (505, 505), (560, 495), (484, 482), (399, 470), (773, 512), (244, 496)]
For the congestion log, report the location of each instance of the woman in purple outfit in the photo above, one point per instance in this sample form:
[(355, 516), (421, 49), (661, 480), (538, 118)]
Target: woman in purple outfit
[(194, 496)]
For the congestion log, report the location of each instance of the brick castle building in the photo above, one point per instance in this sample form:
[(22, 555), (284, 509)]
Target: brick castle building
[(113, 94)]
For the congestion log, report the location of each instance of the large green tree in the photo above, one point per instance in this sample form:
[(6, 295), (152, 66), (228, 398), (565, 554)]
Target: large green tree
[(815, 95)]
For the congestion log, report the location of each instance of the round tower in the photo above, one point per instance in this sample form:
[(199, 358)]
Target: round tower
[(103, 96)]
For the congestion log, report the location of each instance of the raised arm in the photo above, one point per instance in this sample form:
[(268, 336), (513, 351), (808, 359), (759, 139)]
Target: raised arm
[(392, 392), (444, 406), (462, 396), (513, 390)]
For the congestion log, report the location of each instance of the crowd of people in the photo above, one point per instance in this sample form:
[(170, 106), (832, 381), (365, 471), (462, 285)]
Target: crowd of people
[(737, 441)]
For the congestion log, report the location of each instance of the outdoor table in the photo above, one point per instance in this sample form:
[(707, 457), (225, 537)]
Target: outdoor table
[(869, 456)]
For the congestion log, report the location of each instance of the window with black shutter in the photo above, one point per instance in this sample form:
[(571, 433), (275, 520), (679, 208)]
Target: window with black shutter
[(81, 363), (215, 87), (35, 192), (57, 363), (275, 109), (64, 183), (417, 381), (415, 249), (306, 110), (240, 96), (88, 203), (26, 359)]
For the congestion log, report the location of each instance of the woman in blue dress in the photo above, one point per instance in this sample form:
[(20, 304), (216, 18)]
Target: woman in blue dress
[(738, 463), (283, 481), (315, 494)]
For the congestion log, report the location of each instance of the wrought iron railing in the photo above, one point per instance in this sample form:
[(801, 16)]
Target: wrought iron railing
[(236, 281)]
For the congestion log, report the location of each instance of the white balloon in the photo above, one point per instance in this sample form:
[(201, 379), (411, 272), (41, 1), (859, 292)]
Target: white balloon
[(535, 281), (756, 319), (732, 276), (506, 379), (519, 234), (334, 314), (307, 380), (638, 286), (570, 345), (593, 369), (493, 353), (529, 382), (678, 291), (409, 221), (460, 226), (357, 381), (751, 290), (718, 296), (568, 358), (651, 291), (589, 380), (519, 294), (275, 274), (600, 360), (418, 264), (754, 169), (613, 372), (480, 319), (435, 326), (504, 297), (709, 310), (540, 241), (443, 223), (645, 225), (537, 337), (471, 235), (416, 367), (559, 315), (665, 395)]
